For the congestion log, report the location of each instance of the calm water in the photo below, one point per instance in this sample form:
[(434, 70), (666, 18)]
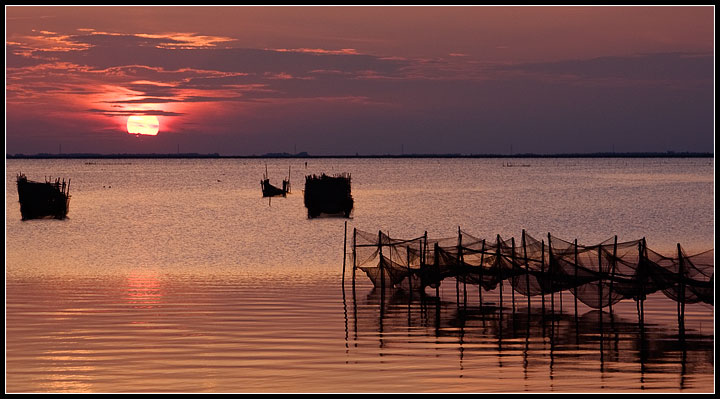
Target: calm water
[(176, 276)]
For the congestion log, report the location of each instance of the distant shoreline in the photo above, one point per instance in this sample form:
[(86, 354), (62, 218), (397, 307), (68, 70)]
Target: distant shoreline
[(669, 154)]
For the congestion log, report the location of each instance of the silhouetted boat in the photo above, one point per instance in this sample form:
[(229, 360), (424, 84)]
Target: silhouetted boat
[(328, 195), (268, 190), (41, 200)]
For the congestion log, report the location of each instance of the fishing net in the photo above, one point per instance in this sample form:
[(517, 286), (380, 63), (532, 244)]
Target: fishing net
[(597, 275)]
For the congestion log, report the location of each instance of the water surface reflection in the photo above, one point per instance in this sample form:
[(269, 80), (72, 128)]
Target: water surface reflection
[(543, 350)]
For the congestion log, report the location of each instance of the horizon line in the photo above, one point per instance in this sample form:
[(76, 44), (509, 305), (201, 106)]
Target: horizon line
[(629, 154)]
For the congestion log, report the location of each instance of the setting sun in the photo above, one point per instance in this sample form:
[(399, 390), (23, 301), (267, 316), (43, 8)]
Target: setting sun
[(143, 124)]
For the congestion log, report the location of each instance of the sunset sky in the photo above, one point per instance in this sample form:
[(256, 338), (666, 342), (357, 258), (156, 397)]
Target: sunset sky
[(367, 80)]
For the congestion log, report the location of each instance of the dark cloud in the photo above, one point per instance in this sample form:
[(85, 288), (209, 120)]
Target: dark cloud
[(113, 51), (155, 112), (642, 67)]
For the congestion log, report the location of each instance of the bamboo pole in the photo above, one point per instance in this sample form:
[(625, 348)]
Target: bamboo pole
[(407, 250), (512, 288), (640, 277), (552, 277), (423, 258), (527, 271), (681, 294), (482, 259), (576, 281), (500, 273), (344, 253), (461, 260), (600, 279), (354, 254), (542, 278), (612, 275), (382, 267), (457, 270), (437, 269)]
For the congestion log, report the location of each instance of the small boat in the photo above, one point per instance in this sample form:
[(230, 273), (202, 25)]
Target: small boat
[(43, 200), (268, 190), (328, 195)]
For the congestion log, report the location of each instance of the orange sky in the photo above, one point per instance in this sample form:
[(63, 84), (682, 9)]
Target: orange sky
[(244, 80)]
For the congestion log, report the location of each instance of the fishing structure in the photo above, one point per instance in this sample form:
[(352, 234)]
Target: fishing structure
[(43, 199), (598, 275), (328, 195), (268, 190)]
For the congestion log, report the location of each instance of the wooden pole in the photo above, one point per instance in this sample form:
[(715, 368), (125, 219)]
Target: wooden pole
[(500, 273), (639, 274), (423, 259), (576, 280), (407, 250), (600, 294), (437, 268), (354, 254), (552, 278), (642, 303), (542, 278), (512, 288), (461, 260), (612, 275), (482, 259), (344, 253), (457, 270), (681, 294), (382, 266), (527, 271)]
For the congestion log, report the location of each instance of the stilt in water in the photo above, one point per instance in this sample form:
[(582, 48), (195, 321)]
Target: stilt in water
[(500, 272), (437, 269), (641, 284), (457, 270), (480, 285), (552, 279), (354, 254), (461, 261), (344, 253), (577, 322), (542, 278), (512, 289), (409, 277), (600, 283), (527, 273), (576, 281), (382, 272), (681, 294), (612, 277)]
